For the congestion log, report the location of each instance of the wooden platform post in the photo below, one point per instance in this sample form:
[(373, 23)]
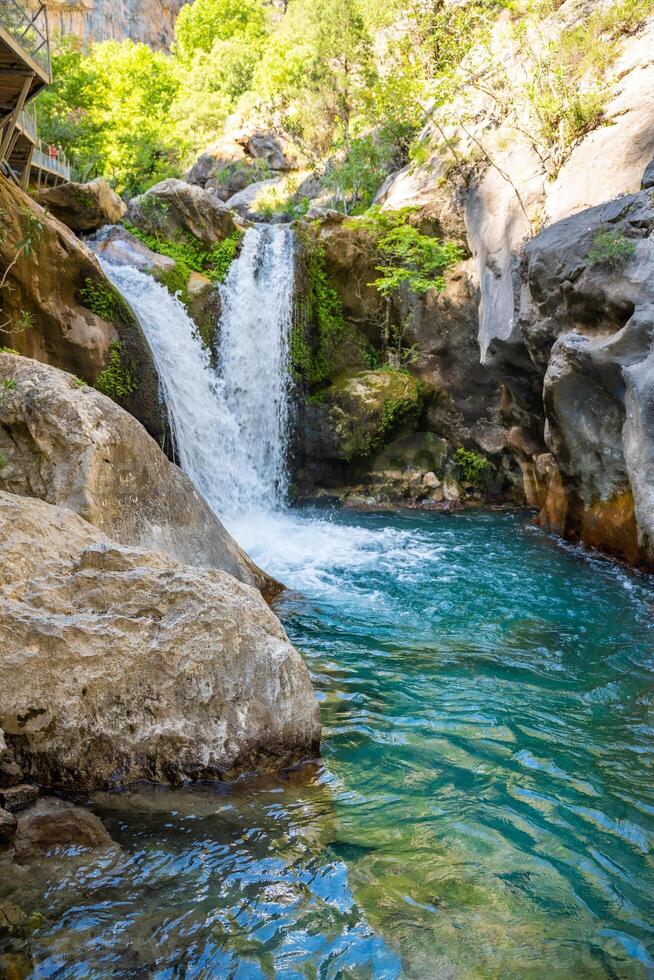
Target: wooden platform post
[(25, 179), (10, 126)]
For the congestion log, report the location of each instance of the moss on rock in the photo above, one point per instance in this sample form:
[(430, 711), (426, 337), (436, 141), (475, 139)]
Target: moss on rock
[(362, 411)]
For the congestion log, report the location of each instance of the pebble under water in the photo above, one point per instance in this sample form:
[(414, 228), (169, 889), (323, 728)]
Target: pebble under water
[(484, 806)]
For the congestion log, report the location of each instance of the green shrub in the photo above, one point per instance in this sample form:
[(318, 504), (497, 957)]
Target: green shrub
[(611, 248), (116, 380), (192, 255), (175, 279), (471, 466), (319, 322), (406, 257), (4, 459)]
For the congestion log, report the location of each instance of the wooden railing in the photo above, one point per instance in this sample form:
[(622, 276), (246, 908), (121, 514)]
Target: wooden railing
[(27, 22), (59, 165), (27, 122)]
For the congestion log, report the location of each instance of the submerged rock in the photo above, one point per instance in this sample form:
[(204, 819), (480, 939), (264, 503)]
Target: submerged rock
[(174, 209), (17, 798), (118, 665), (54, 824), (8, 824), (70, 445), (84, 207)]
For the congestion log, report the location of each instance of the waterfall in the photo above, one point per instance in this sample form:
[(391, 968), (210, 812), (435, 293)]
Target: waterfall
[(253, 359), (230, 424)]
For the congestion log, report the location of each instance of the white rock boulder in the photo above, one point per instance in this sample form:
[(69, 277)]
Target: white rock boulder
[(119, 665)]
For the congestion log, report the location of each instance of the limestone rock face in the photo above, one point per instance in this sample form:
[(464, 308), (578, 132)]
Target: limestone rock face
[(118, 665), (567, 340), (245, 201), (150, 21), (173, 208), (72, 446), (56, 301), (84, 207), (589, 328)]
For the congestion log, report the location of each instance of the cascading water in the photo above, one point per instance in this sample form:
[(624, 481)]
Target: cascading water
[(257, 308), (230, 425)]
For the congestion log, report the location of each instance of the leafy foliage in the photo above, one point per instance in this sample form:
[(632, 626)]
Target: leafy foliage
[(611, 248), (472, 467), (116, 380), (407, 257), (111, 110), (103, 299), (192, 255), (319, 321)]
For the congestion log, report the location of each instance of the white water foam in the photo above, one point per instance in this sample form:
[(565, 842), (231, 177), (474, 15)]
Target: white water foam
[(231, 425)]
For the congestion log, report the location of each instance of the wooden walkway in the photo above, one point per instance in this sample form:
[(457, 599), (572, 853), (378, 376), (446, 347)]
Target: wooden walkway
[(24, 71)]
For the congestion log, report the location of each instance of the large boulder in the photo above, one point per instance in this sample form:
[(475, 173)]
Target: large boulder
[(118, 665), (57, 306), (84, 207), (174, 210), (357, 414), (70, 445), (249, 201)]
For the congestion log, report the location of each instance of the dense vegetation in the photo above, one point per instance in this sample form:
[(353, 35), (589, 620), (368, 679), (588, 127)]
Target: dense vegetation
[(332, 75)]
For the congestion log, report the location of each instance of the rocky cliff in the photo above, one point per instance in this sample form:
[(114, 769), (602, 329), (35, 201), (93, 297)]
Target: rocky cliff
[(150, 21), (541, 340)]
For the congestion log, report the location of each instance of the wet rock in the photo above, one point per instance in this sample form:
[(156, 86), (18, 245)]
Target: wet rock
[(118, 665), (451, 489), (17, 798), (8, 824), (53, 824), (116, 244), (84, 207), (73, 312), (72, 446), (174, 209), (355, 416)]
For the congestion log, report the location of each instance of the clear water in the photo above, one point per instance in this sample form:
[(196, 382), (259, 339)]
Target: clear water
[(484, 806)]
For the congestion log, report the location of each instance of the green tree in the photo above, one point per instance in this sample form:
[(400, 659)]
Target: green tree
[(110, 110)]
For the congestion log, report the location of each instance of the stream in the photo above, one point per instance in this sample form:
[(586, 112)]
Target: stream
[(484, 804)]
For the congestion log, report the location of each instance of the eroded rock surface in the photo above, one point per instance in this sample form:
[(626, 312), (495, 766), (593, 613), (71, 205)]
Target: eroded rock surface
[(588, 326), (84, 207), (70, 445), (118, 664)]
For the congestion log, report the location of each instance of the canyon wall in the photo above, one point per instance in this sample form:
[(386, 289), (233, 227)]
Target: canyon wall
[(150, 21)]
